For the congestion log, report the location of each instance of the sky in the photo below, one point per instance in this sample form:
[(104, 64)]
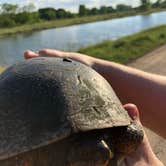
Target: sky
[(71, 5)]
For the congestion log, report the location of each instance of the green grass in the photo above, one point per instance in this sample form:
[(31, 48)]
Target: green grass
[(72, 21), (126, 49)]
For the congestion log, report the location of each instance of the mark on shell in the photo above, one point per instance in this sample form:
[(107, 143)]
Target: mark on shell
[(66, 60)]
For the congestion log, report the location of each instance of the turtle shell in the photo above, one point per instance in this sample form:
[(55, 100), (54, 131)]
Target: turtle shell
[(44, 100)]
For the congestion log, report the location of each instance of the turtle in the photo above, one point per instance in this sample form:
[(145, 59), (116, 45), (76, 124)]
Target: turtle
[(59, 112)]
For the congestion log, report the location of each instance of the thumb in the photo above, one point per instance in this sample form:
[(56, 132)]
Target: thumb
[(132, 111)]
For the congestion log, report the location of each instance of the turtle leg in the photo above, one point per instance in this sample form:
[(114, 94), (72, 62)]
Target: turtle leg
[(89, 152)]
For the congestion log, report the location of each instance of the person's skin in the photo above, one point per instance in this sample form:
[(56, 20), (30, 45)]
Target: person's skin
[(147, 91), (144, 155)]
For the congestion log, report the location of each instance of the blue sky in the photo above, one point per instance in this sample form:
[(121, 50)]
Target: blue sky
[(71, 5)]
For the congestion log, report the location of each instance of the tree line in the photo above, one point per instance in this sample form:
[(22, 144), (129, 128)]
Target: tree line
[(12, 15)]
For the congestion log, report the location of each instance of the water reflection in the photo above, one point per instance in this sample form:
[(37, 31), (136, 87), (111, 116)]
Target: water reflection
[(73, 37)]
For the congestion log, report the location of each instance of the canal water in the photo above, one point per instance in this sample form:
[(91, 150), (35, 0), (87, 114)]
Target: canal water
[(72, 38)]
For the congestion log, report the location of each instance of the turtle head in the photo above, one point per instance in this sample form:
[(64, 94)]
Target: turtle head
[(123, 140), (105, 147)]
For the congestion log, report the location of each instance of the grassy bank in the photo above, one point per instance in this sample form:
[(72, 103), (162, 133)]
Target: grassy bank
[(126, 49), (73, 21)]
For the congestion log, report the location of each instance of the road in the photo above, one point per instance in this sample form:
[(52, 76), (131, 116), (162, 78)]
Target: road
[(154, 62)]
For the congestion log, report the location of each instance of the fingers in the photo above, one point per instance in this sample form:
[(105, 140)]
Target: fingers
[(132, 111), (51, 52), (30, 54), (44, 52), (82, 58), (144, 153)]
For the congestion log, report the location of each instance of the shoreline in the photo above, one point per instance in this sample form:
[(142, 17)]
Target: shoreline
[(127, 49), (1, 69), (73, 21)]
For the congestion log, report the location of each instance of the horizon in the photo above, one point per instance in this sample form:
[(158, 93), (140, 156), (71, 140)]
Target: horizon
[(72, 5)]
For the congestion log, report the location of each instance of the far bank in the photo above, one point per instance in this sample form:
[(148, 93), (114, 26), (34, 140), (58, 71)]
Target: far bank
[(73, 21)]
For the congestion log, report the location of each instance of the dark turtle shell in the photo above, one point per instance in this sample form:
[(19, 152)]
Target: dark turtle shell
[(44, 100)]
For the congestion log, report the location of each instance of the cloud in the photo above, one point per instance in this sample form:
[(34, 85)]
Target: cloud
[(72, 5)]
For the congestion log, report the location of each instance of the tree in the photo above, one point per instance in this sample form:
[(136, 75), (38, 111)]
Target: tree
[(61, 13), (157, 3), (69, 14), (110, 9), (6, 21), (103, 10), (29, 8), (163, 4), (82, 10), (25, 17), (121, 7), (145, 4), (47, 13), (93, 11), (7, 8)]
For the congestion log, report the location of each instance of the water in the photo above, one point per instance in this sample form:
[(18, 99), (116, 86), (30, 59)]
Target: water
[(73, 37)]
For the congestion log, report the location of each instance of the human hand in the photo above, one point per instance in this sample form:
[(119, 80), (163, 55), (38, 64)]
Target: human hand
[(144, 155), (87, 60), (45, 52)]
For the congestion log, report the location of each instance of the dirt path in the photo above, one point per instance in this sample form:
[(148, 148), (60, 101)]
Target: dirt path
[(154, 62)]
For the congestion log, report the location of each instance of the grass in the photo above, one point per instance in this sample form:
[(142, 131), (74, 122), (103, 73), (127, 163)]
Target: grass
[(72, 21), (129, 48), (1, 69)]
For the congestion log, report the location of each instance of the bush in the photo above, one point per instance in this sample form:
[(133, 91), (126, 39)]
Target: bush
[(6, 21), (140, 40), (25, 17), (119, 43), (47, 13), (162, 36)]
